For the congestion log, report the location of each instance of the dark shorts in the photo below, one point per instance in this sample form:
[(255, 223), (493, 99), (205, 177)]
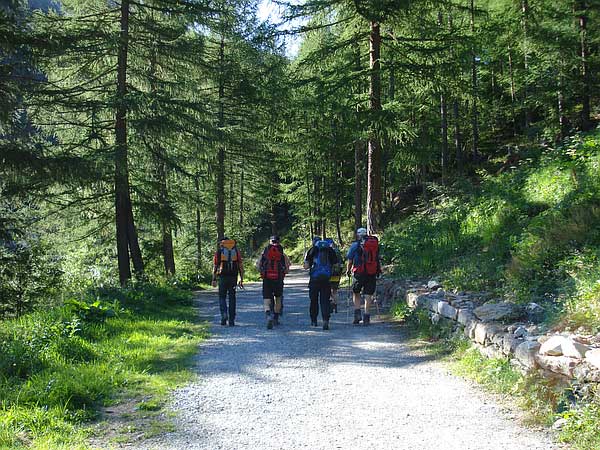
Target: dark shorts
[(364, 283), (272, 288)]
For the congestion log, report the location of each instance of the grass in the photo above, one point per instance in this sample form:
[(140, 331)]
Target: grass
[(62, 367)]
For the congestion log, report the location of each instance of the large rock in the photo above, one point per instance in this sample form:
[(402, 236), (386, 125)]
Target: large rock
[(525, 353), (432, 303), (510, 343), (535, 313), (485, 332), (552, 346), (412, 299), (447, 311), (557, 364), (465, 316), (592, 357), (498, 312), (433, 284), (563, 346)]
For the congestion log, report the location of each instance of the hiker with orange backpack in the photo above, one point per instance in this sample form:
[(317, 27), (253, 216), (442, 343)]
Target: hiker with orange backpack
[(273, 266), (227, 264), (365, 266)]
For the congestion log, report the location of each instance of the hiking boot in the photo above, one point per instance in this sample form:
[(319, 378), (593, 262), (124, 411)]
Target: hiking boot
[(223, 320), (231, 322), (326, 324), (276, 319), (313, 323), (269, 321), (334, 308), (357, 317), (367, 319)]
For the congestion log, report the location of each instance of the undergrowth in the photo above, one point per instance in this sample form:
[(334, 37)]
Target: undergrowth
[(60, 367), (529, 233)]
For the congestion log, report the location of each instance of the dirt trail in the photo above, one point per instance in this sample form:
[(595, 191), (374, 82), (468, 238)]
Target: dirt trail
[(352, 387)]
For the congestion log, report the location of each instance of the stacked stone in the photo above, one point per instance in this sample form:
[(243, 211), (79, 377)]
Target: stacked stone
[(502, 329)]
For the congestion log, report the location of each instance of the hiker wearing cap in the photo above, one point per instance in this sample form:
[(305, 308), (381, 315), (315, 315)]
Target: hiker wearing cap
[(227, 265), (273, 265), (320, 259), (365, 267)]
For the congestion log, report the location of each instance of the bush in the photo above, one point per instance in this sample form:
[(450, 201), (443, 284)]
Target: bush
[(529, 234)]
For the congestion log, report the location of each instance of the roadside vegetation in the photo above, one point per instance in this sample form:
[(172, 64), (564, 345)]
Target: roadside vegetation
[(61, 367), (528, 232)]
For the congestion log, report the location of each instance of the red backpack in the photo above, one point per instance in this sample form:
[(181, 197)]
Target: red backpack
[(272, 263), (369, 248)]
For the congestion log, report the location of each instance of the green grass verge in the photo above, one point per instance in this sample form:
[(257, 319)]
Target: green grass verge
[(61, 367), (543, 400)]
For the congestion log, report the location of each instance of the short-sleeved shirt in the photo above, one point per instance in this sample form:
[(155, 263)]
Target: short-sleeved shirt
[(354, 253)]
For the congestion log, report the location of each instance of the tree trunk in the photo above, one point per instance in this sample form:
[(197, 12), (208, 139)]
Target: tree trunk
[(357, 184), (474, 88), (220, 209), (513, 94), (562, 119), (374, 147), (198, 226), (242, 199), (457, 136), (525, 25), (160, 156), (585, 70), (444, 129), (122, 203)]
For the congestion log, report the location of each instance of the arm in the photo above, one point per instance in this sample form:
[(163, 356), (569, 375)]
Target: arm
[(307, 259), (241, 268), (215, 268)]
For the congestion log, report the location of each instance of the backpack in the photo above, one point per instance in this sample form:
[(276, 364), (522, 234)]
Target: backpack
[(369, 256), (321, 267), (336, 269), (228, 258), (272, 262)]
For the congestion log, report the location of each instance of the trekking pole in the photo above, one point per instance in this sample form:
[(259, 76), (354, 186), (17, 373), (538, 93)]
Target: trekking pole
[(348, 301)]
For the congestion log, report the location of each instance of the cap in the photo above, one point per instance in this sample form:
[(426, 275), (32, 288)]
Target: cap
[(361, 232), (274, 238)]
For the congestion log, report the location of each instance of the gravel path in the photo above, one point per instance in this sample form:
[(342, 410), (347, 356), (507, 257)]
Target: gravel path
[(352, 387)]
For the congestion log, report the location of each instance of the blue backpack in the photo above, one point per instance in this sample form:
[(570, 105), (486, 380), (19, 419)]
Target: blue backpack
[(321, 268)]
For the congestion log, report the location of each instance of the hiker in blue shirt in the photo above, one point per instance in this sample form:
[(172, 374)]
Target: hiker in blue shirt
[(320, 260)]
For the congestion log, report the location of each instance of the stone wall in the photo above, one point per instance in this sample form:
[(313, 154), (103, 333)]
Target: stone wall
[(503, 330)]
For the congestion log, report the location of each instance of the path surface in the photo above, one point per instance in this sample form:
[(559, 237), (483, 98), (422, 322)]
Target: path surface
[(352, 387)]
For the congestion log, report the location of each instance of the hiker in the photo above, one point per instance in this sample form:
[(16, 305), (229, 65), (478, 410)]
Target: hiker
[(273, 266), (365, 266), (227, 264), (336, 274), (319, 259)]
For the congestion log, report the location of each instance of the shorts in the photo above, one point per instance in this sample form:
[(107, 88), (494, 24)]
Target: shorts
[(272, 288), (365, 283)]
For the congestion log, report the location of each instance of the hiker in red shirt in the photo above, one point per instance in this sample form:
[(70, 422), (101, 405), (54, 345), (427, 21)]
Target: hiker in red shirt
[(273, 265)]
